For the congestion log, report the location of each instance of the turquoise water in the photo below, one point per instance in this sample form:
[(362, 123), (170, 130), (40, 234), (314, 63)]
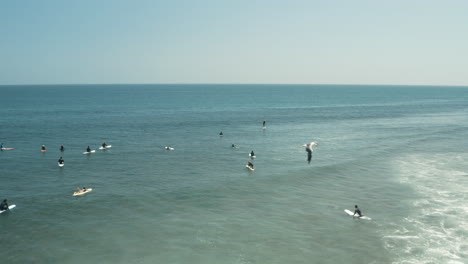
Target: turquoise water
[(398, 152)]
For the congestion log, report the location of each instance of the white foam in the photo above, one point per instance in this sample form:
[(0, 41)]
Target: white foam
[(436, 231)]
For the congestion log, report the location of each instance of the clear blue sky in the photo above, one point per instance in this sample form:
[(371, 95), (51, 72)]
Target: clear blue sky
[(214, 41)]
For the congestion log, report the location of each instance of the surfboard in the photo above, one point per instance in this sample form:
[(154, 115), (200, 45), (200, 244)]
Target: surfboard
[(9, 207), (168, 148), (43, 150), (61, 165), (8, 148), (108, 146), (248, 167), (253, 157), (81, 193), (264, 127), (92, 151), (356, 216)]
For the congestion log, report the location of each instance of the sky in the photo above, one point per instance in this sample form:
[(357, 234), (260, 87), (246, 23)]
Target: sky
[(398, 42)]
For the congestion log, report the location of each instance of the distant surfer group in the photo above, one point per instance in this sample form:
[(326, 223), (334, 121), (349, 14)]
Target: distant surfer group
[(104, 145)]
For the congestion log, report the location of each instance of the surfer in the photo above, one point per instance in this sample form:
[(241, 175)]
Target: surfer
[(104, 145), (252, 154), (264, 123), (221, 133), (61, 161), (43, 147), (233, 146), (4, 205), (62, 148), (357, 211), (88, 149), (1, 146), (250, 164), (81, 190), (309, 150)]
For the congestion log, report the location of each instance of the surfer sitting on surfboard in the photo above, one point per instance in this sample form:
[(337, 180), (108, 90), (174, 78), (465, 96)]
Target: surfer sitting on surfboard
[(61, 161), (104, 145), (43, 147), (250, 164), (357, 211), (88, 149), (4, 205)]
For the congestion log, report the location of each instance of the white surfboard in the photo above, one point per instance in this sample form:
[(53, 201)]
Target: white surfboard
[(168, 148), (253, 157), (61, 164), (92, 151), (108, 146), (81, 193), (248, 167), (352, 214), (8, 148), (9, 207)]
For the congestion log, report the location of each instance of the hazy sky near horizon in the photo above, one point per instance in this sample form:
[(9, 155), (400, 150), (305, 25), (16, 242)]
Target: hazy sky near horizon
[(412, 42)]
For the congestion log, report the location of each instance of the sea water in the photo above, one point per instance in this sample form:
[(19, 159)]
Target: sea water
[(399, 152)]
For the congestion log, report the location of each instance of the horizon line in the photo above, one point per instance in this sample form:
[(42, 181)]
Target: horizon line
[(329, 84)]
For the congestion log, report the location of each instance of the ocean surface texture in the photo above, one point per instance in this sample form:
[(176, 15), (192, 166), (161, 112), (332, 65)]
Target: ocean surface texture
[(399, 152)]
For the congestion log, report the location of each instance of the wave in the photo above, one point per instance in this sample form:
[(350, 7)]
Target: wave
[(436, 230)]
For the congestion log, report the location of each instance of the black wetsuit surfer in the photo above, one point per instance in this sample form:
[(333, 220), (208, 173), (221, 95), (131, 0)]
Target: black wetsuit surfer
[(62, 148), (88, 149), (61, 161), (4, 205), (357, 211)]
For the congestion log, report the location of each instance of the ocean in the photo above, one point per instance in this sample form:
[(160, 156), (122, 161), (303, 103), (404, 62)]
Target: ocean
[(399, 152)]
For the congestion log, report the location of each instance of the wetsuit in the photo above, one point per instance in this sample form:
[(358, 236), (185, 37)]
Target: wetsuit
[(62, 148), (250, 164), (357, 211), (60, 161), (88, 150), (4, 206), (104, 145), (43, 147), (252, 154)]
